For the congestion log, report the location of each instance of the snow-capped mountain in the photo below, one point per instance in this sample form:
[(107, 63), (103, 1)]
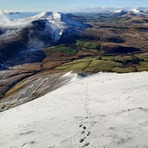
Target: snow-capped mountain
[(58, 23), (135, 11), (99, 111), (55, 23)]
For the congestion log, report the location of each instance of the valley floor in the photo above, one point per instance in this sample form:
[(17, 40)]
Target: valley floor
[(105, 110)]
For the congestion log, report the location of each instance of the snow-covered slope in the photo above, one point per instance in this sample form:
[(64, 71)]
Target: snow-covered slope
[(106, 110)]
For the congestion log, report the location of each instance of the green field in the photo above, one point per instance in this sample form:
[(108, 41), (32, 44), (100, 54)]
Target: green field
[(64, 49), (119, 64), (87, 45)]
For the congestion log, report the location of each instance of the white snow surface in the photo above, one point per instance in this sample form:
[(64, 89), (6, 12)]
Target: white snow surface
[(105, 110)]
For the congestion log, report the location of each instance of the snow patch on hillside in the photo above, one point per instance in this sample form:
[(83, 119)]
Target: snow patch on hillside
[(103, 110), (56, 15), (117, 11), (136, 11)]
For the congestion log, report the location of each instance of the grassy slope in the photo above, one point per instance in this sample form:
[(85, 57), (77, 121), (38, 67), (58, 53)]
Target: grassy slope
[(87, 44), (64, 49)]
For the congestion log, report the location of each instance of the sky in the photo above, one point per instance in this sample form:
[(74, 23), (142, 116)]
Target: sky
[(65, 5)]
